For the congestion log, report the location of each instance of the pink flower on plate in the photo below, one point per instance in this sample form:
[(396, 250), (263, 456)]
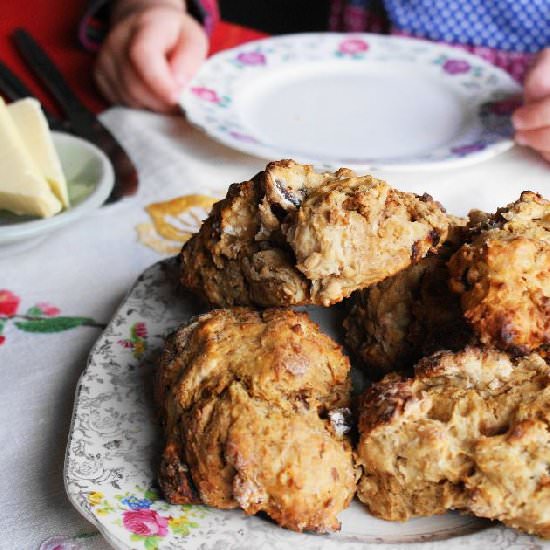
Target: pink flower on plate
[(141, 330), (207, 94), (145, 522), (9, 303), (353, 46), (456, 66), (48, 309), (251, 58)]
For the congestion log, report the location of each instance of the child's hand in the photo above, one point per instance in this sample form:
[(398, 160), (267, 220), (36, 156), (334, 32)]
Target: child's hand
[(532, 121), (151, 52)]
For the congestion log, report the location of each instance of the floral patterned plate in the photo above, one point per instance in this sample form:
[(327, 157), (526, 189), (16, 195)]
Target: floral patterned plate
[(113, 449), (362, 101)]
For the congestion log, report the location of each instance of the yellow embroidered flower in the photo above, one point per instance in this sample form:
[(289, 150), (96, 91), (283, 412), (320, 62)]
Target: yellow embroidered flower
[(95, 498), (173, 222)]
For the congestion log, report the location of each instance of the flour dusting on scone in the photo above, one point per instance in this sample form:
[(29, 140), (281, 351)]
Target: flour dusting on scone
[(293, 236)]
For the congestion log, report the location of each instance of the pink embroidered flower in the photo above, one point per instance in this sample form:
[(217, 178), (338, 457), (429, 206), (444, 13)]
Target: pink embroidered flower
[(48, 309), (145, 522), (9, 303), (353, 46), (206, 94), (456, 66), (2, 339), (251, 58), (141, 330)]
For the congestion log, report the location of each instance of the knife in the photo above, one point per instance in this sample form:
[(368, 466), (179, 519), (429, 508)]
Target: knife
[(83, 122), (14, 89)]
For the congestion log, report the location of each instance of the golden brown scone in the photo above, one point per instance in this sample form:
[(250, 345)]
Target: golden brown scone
[(394, 323), (252, 404), (292, 236), (433, 442), (503, 275)]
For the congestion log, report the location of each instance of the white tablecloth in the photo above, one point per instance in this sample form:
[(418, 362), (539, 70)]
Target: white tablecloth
[(86, 269)]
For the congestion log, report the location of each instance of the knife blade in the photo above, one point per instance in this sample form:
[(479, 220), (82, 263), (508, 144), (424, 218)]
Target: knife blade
[(13, 89), (83, 122)]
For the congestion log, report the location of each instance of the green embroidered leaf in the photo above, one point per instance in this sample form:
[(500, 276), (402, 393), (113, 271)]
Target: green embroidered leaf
[(53, 324), (136, 538), (2, 325), (34, 311)]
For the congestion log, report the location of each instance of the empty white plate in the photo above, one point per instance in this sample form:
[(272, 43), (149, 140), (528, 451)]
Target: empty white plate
[(363, 101)]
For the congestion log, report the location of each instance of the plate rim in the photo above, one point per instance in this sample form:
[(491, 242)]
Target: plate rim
[(192, 111)]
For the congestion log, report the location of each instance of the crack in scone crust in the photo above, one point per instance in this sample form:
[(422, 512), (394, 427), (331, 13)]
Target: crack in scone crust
[(248, 401), (470, 431), (503, 275), (292, 236)]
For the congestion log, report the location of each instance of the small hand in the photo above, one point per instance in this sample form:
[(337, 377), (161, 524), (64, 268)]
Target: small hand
[(532, 120), (151, 52)]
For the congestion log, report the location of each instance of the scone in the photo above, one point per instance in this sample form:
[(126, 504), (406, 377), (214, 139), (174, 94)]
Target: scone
[(394, 323), (469, 431), (252, 404), (503, 276), (292, 236)]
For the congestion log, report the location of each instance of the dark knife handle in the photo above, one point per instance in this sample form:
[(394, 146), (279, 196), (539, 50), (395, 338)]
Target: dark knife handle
[(13, 89), (44, 68)]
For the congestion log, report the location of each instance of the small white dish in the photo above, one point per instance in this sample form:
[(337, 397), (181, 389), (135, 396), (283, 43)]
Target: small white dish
[(363, 101), (115, 443), (90, 179)]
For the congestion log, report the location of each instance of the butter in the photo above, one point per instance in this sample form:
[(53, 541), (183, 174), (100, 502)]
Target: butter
[(33, 128), (23, 189)]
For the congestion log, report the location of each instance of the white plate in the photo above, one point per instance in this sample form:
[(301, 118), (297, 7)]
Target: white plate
[(90, 179), (363, 101), (114, 447)]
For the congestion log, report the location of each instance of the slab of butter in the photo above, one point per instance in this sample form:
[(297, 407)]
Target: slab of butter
[(33, 128), (23, 189)]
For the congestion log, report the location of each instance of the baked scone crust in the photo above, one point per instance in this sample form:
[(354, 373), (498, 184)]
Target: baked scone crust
[(432, 442), (247, 399), (292, 236), (503, 275), (412, 314)]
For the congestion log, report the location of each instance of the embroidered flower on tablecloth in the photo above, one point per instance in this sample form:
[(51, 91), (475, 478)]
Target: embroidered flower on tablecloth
[(9, 303), (145, 523)]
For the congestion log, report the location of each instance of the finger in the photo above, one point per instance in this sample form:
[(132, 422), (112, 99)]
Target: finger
[(537, 139), (537, 82), (148, 54), (189, 52), (533, 115), (105, 78), (136, 92)]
